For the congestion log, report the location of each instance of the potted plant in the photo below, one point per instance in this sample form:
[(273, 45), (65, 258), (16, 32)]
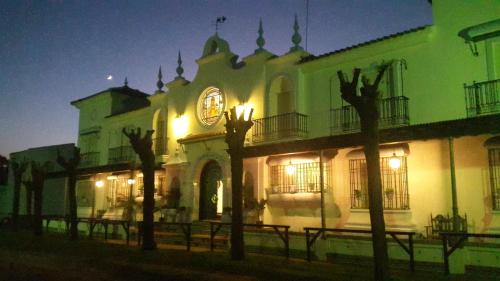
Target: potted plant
[(182, 215), (357, 194), (171, 208), (389, 193), (260, 206), (226, 215)]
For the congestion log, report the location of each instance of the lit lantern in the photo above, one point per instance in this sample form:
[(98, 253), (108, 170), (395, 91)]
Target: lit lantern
[(290, 169), (243, 109), (99, 184), (180, 126), (130, 181), (394, 162)]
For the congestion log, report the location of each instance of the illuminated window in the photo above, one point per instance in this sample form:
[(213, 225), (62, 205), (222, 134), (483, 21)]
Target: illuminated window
[(494, 160), (297, 177), (210, 106), (394, 183)]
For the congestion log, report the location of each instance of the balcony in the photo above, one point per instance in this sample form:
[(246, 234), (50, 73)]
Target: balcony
[(89, 159), (482, 98), (393, 113), (291, 125), (121, 154), (160, 146)]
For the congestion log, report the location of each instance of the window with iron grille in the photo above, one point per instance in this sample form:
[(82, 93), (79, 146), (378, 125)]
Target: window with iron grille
[(297, 177), (394, 184), (494, 160)]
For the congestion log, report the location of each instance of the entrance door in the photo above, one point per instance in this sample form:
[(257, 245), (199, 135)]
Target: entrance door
[(209, 181)]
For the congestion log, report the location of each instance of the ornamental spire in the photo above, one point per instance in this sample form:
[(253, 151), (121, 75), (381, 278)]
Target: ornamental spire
[(159, 84), (179, 68), (296, 38), (260, 40), (125, 83)]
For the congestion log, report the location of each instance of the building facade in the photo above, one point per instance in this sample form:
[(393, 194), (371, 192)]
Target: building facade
[(439, 113)]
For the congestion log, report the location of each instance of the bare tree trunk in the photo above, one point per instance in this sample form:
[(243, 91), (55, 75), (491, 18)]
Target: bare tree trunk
[(381, 259), (70, 166), (142, 146), (28, 186), (18, 169), (38, 173), (73, 210), (237, 245)]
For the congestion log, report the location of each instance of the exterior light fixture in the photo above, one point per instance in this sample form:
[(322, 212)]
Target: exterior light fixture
[(243, 109), (394, 162), (180, 126), (130, 181), (290, 169), (99, 184)]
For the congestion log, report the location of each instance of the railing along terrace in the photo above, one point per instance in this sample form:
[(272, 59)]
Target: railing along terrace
[(482, 97), (288, 125), (89, 159), (121, 154), (393, 113), (159, 146)]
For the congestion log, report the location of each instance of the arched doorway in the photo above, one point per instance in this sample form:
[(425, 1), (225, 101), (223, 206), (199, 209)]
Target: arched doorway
[(210, 190)]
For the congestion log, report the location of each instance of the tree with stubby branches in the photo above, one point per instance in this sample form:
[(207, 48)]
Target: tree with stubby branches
[(18, 169), (70, 166), (143, 147), (366, 105), (38, 175), (236, 129)]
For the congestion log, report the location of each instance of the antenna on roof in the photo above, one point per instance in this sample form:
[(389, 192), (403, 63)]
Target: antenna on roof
[(307, 20), (218, 21)]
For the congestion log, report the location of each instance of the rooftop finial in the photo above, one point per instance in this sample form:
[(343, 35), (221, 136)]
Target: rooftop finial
[(159, 84), (179, 68), (296, 38), (125, 83), (260, 40)]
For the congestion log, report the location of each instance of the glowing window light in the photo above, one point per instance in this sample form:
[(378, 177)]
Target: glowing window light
[(130, 181), (290, 169), (99, 184), (394, 162)]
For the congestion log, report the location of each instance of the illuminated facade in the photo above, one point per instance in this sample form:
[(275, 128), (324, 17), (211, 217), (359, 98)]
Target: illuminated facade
[(305, 139)]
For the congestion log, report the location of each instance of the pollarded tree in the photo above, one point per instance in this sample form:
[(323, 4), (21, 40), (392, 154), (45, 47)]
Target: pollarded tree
[(236, 129), (366, 105), (143, 147), (38, 174), (18, 169), (70, 167)]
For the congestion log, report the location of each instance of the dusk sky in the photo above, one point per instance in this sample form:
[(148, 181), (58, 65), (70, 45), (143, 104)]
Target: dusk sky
[(54, 52)]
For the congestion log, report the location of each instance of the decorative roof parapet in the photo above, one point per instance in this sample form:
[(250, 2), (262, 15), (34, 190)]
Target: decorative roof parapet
[(296, 38)]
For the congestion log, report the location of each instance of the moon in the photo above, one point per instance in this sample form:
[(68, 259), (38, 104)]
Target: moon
[(110, 77)]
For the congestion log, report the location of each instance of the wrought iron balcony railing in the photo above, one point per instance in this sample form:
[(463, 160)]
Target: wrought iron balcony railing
[(283, 126), (89, 159), (160, 146), (121, 154), (482, 97), (393, 113)]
